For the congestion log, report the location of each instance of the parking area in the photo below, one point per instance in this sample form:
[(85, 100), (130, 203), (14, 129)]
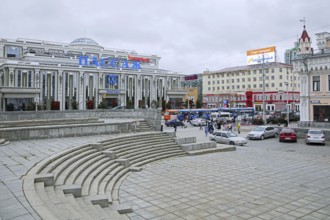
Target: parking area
[(260, 180)]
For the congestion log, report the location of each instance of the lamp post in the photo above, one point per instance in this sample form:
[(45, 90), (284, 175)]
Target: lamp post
[(287, 102), (263, 91)]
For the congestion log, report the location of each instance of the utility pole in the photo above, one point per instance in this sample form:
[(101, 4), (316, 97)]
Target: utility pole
[(263, 90)]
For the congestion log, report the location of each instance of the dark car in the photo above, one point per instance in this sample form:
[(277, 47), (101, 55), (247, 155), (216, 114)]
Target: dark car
[(170, 123), (287, 134)]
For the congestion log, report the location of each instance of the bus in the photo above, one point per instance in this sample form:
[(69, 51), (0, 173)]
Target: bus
[(182, 114), (239, 113)]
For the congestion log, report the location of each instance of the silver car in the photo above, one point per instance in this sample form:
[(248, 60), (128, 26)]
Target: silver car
[(227, 137), (198, 122), (315, 136), (262, 132)]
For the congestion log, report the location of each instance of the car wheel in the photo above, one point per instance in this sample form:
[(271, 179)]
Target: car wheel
[(231, 143), (279, 140), (275, 135), (262, 137)]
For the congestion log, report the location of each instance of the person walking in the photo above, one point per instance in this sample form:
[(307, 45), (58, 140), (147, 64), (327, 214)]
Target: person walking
[(206, 129), (239, 127), (175, 125), (230, 127)]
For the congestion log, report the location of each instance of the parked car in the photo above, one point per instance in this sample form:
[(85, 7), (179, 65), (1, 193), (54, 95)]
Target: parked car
[(315, 136), (262, 132), (198, 122), (227, 137), (287, 134), (170, 123)]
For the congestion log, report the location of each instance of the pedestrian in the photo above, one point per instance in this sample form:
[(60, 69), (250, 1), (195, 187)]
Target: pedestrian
[(175, 125), (230, 127), (239, 127), (206, 129)]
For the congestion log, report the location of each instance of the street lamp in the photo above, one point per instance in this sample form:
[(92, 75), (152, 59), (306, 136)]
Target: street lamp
[(287, 101), (263, 90)]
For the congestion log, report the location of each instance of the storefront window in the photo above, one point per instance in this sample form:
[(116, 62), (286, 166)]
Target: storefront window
[(321, 113)]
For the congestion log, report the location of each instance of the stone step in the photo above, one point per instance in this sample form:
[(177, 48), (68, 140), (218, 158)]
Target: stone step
[(211, 150), (156, 158), (149, 157), (88, 180), (148, 149), (65, 165), (63, 177), (141, 148), (60, 158), (103, 176), (84, 167), (112, 175)]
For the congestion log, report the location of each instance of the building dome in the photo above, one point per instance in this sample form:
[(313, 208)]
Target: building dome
[(84, 41)]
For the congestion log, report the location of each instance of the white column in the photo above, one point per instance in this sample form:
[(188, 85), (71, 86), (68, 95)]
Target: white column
[(82, 96)]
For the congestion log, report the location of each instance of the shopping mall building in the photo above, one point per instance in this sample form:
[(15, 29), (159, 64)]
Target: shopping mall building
[(81, 75)]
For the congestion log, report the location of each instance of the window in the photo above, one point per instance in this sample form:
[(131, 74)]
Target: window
[(260, 71), (254, 85), (209, 82), (209, 76), (272, 77), (222, 81), (237, 80), (280, 84), (249, 79), (316, 83), (272, 70), (254, 79), (222, 87), (232, 80), (249, 86), (237, 86), (13, 52), (280, 69), (267, 85), (254, 71), (260, 78), (228, 87), (273, 85), (260, 85), (280, 76), (243, 79)]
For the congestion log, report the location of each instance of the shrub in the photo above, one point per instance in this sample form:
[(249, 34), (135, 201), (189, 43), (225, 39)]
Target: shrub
[(90, 104)]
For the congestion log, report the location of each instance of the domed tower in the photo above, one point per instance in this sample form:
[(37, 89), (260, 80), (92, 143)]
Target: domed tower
[(85, 43), (305, 43)]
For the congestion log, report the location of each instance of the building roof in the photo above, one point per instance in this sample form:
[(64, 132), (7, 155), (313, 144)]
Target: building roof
[(249, 67), (84, 41), (304, 35)]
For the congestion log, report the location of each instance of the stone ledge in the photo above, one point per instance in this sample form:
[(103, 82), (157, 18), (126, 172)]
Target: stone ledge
[(198, 146), (123, 162), (135, 169), (110, 153), (210, 150), (101, 200), (48, 179), (74, 189)]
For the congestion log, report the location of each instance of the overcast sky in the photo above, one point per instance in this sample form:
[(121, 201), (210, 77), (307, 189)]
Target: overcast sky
[(190, 36)]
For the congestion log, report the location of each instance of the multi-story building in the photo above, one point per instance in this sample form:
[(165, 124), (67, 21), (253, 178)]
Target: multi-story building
[(228, 87), (80, 75), (291, 54), (194, 85), (313, 66)]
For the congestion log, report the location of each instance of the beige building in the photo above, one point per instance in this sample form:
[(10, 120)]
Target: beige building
[(313, 66), (281, 86)]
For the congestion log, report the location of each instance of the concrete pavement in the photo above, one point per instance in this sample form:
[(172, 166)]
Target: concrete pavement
[(250, 183)]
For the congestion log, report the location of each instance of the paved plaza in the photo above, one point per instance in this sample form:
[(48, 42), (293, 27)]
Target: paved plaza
[(262, 180)]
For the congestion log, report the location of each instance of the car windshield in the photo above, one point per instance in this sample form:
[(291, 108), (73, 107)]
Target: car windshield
[(232, 134), (259, 129), (315, 132)]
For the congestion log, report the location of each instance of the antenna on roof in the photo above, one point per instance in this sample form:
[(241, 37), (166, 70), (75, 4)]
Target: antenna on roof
[(303, 20)]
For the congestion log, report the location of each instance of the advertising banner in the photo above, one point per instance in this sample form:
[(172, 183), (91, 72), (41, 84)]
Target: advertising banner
[(262, 55)]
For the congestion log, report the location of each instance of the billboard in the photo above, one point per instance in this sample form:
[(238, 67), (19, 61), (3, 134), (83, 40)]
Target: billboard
[(261, 55)]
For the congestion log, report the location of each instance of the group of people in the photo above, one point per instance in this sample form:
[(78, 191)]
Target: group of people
[(228, 126)]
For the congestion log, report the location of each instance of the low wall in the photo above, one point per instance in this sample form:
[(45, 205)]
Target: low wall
[(60, 131), (152, 116)]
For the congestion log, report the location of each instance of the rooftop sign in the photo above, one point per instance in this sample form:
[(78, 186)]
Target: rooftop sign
[(108, 63), (261, 55)]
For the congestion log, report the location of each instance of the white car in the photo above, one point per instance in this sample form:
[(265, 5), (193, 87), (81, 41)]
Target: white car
[(198, 122), (227, 137), (262, 132)]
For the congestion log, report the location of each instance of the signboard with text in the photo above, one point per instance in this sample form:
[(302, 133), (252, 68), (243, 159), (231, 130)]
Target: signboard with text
[(262, 55)]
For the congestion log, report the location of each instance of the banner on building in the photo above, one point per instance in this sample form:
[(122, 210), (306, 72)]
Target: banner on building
[(262, 55)]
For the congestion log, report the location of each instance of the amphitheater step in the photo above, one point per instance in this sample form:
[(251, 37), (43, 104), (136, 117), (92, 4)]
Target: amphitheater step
[(211, 150)]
